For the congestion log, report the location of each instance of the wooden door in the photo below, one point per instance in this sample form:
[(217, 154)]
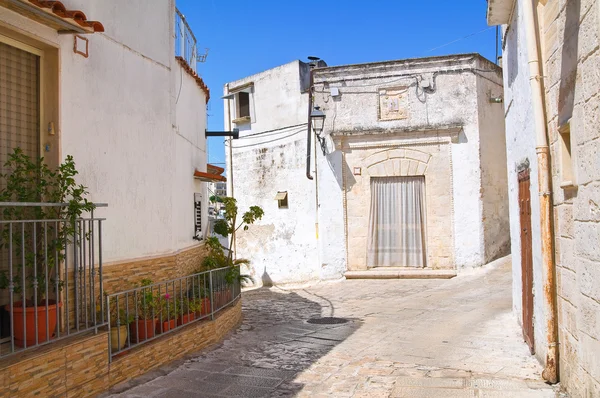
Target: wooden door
[(526, 257)]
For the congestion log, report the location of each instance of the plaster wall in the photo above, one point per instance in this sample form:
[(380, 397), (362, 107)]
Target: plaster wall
[(452, 100), (494, 184), (269, 157), (521, 144), (116, 114)]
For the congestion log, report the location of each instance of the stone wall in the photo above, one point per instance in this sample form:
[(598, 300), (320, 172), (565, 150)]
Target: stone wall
[(126, 275), (80, 367), (570, 32), (393, 158)]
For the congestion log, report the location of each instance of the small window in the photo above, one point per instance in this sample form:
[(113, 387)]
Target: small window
[(197, 216), (243, 105), (282, 199), (567, 178)]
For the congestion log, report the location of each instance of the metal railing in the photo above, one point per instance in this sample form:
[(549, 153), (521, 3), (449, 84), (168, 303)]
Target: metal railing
[(145, 313), (186, 45), (50, 275)]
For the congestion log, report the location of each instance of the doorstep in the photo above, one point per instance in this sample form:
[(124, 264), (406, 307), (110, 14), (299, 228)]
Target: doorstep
[(401, 273)]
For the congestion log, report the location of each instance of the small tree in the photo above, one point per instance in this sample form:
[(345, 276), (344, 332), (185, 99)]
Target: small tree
[(229, 225), (31, 180)]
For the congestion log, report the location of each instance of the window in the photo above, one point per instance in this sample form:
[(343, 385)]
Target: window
[(242, 103), (282, 200), (567, 178), (243, 108), (198, 216), (19, 102)]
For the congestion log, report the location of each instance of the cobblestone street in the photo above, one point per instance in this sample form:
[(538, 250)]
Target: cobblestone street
[(403, 338)]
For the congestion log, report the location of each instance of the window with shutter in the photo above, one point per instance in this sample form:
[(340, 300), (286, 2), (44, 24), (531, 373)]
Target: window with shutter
[(19, 102), (198, 216)]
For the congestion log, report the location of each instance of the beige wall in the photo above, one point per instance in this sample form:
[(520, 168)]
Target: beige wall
[(396, 156), (570, 40)]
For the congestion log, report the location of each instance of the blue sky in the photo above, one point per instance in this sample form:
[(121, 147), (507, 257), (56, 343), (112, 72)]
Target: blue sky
[(248, 36)]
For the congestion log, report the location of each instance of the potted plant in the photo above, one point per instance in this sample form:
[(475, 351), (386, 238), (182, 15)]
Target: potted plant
[(188, 311), (148, 309), (170, 312), (34, 274), (119, 326)]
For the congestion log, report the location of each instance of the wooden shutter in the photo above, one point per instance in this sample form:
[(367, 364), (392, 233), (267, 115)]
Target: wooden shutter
[(198, 216), (19, 102)]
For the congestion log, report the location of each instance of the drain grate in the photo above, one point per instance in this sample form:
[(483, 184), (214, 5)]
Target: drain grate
[(327, 320)]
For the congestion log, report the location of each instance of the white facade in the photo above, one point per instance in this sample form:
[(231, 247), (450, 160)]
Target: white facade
[(132, 117), (450, 121)]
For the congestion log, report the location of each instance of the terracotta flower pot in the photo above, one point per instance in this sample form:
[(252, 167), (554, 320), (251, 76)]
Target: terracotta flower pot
[(27, 335), (186, 318), (166, 326), (118, 337), (142, 329)]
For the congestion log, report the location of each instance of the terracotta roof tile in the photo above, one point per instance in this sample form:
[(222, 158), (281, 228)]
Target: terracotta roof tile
[(211, 168), (208, 177), (59, 9), (193, 74)]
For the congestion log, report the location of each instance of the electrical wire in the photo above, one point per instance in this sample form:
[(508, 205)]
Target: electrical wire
[(462, 38), (267, 142), (273, 131)]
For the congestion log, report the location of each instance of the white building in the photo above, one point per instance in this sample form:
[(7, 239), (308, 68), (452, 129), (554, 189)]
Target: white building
[(431, 124), (115, 94), (550, 62)]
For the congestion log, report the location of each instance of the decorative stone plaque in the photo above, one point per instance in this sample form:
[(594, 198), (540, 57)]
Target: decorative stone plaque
[(393, 103)]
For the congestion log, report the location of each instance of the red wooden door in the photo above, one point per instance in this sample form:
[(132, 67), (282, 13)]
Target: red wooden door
[(526, 257)]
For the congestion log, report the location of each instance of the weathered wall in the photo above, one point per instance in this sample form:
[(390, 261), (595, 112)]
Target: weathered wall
[(270, 157), (132, 120), (450, 102), (569, 37), (570, 34), (520, 144), (494, 184)]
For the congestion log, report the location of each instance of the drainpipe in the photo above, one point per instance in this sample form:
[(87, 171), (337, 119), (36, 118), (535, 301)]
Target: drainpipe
[(550, 373), (230, 176), (309, 127)]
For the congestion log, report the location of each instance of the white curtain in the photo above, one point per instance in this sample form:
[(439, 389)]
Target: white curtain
[(397, 222)]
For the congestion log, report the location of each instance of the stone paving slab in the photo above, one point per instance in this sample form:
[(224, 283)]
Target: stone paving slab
[(404, 338)]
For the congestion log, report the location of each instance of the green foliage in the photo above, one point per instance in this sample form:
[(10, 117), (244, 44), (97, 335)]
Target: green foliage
[(215, 199), (30, 180), (148, 303)]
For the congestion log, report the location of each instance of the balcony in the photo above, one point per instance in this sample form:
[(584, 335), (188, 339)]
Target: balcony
[(50, 275), (186, 45)]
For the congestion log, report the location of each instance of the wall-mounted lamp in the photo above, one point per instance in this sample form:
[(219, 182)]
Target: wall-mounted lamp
[(317, 121)]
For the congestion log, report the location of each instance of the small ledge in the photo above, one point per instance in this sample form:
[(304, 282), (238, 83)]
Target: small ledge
[(395, 273), (567, 185), (242, 120)]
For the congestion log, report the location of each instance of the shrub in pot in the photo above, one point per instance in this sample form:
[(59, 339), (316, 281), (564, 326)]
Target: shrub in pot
[(170, 310), (148, 309), (38, 248)]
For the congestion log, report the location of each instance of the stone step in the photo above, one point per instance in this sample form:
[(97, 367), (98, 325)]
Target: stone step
[(401, 273)]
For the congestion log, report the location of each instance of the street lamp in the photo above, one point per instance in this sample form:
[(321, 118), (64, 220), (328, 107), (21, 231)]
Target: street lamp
[(317, 121)]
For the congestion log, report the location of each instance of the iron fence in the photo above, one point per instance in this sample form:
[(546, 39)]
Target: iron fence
[(50, 276), (185, 42), (145, 313)]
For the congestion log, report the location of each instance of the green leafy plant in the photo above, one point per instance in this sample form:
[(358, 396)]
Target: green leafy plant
[(40, 247), (149, 304)]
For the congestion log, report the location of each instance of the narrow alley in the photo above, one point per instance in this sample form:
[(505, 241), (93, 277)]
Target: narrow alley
[(402, 338)]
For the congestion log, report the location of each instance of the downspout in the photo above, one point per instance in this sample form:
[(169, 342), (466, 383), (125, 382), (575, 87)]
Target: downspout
[(550, 373), (230, 176), (309, 127)]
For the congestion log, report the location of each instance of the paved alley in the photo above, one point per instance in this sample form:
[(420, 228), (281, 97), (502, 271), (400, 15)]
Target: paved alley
[(402, 338)]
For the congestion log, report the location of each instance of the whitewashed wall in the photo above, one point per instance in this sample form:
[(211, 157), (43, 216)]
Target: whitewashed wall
[(134, 146), (520, 142), (270, 157)]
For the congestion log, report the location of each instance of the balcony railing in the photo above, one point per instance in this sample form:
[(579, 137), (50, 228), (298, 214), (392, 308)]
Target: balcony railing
[(145, 313), (50, 277), (186, 45)]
